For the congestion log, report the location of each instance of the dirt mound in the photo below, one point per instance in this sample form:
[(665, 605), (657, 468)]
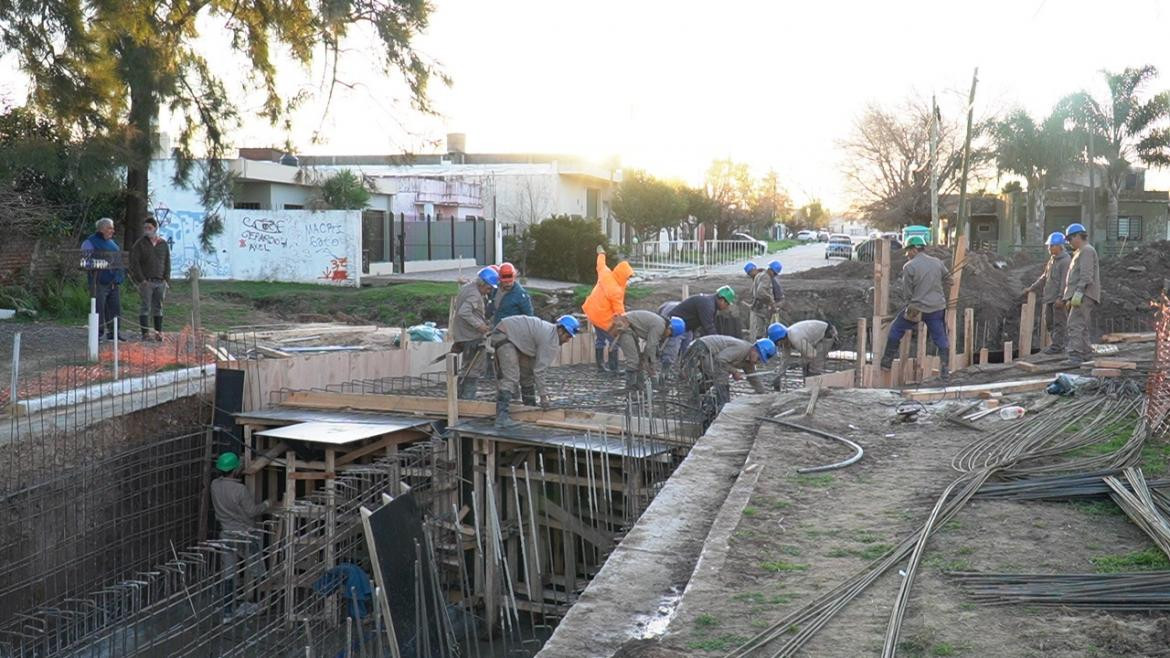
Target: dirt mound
[(1130, 282)]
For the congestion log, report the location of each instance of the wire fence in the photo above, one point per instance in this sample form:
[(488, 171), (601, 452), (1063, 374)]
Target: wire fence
[(683, 257)]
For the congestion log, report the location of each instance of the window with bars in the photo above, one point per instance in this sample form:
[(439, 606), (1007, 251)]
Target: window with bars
[(1127, 228)]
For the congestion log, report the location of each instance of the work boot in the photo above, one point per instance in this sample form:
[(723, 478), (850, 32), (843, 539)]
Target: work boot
[(599, 358), (503, 420), (467, 388), (632, 380), (613, 359), (944, 368), (1053, 349), (888, 357), (144, 326), (528, 395), (158, 328)]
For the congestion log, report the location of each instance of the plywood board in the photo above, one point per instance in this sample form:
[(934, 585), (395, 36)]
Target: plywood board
[(1017, 386)]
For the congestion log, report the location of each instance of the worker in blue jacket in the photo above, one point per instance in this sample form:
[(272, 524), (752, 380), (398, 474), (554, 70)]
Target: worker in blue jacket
[(106, 269), (511, 299)]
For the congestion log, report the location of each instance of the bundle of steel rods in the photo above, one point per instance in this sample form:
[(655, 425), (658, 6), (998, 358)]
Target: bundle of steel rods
[(1111, 591)]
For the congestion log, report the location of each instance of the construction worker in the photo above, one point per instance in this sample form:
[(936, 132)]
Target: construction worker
[(1050, 285), (525, 347), (710, 360), (606, 300), (236, 510), (511, 298), (469, 327), (489, 304), (699, 311), (762, 300), (925, 280), (648, 329), (1082, 293), (676, 345), (812, 339), (774, 269)]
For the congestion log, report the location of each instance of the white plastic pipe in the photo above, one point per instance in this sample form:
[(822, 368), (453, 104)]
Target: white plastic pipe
[(13, 390), (93, 330)]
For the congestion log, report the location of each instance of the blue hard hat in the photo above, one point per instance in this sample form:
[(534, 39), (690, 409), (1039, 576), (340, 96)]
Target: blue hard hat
[(766, 348), (490, 277), (775, 266), (569, 324), (678, 326), (1074, 228), (777, 332), (1055, 239), (749, 268)]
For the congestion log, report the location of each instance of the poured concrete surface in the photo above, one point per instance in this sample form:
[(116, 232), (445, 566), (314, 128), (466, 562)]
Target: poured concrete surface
[(658, 555)]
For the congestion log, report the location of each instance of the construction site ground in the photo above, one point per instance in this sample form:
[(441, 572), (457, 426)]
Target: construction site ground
[(790, 537)]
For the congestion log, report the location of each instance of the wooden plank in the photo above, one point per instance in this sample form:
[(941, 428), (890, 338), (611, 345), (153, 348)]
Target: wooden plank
[(975, 390), (1115, 363), (1027, 324), (1007, 352), (881, 278), (921, 367), (567, 520), (958, 260), (1123, 337), (968, 338), (310, 475), (265, 458), (272, 352), (1105, 372), (984, 355), (1045, 338), (397, 438)]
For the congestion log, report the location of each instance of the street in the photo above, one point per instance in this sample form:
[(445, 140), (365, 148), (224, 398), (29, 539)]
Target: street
[(794, 259)]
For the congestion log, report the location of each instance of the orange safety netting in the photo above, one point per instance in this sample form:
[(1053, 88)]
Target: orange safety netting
[(1158, 385)]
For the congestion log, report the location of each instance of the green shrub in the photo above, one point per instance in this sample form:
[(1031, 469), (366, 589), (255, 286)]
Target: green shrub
[(564, 248)]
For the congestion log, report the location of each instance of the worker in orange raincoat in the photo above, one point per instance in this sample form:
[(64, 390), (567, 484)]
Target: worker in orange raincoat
[(606, 301)]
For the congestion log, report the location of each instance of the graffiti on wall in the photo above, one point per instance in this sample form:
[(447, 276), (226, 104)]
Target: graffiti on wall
[(181, 229)]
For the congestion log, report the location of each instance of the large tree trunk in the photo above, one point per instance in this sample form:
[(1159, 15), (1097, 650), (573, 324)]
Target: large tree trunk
[(143, 109), (1036, 228)]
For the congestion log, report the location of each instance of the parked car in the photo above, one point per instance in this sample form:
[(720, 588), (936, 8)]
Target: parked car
[(822, 236), (840, 246), (864, 251), (806, 236), (761, 247)]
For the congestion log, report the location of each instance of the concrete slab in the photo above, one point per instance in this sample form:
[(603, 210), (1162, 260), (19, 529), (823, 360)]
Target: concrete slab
[(658, 555)]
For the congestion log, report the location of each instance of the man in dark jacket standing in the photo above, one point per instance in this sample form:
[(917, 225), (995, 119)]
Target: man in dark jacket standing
[(104, 261), (150, 270), (511, 298)]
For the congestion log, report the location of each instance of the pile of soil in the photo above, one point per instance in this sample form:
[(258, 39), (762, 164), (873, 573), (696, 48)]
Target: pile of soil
[(1131, 281)]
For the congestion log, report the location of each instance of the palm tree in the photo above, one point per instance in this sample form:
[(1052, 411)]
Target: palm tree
[(1125, 128), (1038, 153)]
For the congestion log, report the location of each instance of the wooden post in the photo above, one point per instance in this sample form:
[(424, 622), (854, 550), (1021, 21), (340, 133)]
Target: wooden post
[(478, 501), (491, 569), (957, 262), (453, 416), (330, 523), (290, 496), (968, 336), (686, 290), (196, 322), (904, 370), (1007, 352), (205, 493), (984, 355), (881, 304), (922, 369), (1027, 322), (862, 327)]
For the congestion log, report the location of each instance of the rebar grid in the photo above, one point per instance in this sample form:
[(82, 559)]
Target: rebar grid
[(176, 607)]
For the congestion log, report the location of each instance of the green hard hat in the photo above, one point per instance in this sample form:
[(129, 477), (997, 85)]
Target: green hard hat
[(915, 241), (726, 293), (227, 462)]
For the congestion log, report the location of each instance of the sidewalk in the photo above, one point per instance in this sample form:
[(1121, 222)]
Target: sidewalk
[(455, 275)]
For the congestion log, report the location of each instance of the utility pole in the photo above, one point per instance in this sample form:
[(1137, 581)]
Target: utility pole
[(934, 121), (961, 224)]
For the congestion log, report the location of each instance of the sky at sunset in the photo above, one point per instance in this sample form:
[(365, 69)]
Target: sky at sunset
[(669, 86)]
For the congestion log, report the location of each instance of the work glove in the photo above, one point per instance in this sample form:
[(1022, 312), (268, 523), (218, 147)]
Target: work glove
[(1076, 300), (600, 249)]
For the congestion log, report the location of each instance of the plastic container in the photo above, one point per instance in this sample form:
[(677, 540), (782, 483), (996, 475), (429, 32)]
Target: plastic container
[(1011, 413)]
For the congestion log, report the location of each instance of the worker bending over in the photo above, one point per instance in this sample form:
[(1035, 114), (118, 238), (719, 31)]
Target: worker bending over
[(606, 300), (469, 327), (763, 301), (924, 278), (511, 298), (1082, 293), (525, 347), (1050, 285), (674, 347), (236, 510), (812, 339), (640, 334), (710, 360), (777, 292), (698, 311)]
